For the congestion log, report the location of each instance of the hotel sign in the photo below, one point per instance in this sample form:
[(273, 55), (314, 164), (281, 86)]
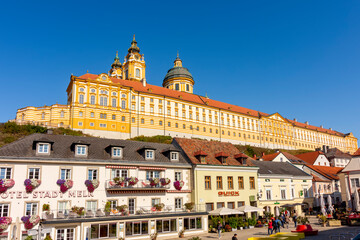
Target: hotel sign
[(228, 193), (46, 194)]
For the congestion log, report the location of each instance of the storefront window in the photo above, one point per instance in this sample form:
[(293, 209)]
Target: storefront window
[(137, 228), (192, 223), (166, 225), (103, 230)]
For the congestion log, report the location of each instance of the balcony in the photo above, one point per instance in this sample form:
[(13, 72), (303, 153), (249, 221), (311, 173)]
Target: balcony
[(81, 214), (142, 185)]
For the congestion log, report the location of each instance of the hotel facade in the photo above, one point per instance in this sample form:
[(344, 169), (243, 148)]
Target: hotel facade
[(91, 188), (121, 104)]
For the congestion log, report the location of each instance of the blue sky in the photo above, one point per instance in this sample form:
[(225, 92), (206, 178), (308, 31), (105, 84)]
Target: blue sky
[(298, 58)]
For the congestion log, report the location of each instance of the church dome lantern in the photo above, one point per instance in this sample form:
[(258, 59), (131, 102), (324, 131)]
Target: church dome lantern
[(179, 78)]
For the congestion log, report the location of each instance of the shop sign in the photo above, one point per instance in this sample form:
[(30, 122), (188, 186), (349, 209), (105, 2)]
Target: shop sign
[(228, 193), (46, 194)]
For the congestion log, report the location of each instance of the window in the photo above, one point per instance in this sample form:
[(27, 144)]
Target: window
[(113, 102), (34, 173), (142, 108), (151, 122), (231, 205), (91, 206), (207, 182), (103, 125), (92, 114), (142, 121), (119, 173), (177, 87), (103, 231), (355, 182), (160, 123), (219, 182), (192, 223), (4, 210), (80, 123), (113, 117), (252, 182), (63, 207), (178, 203), (131, 205), (268, 194), (80, 150), (137, 73), (123, 118), (283, 193), (31, 209), (306, 193), (43, 115), (103, 101), (132, 120), (116, 152), (65, 234), (149, 154), (174, 156), (92, 99), (103, 115), (123, 104), (152, 174), (166, 225), (43, 148), (137, 228), (220, 205), (240, 204), (61, 114), (65, 174), (241, 182), (5, 173), (169, 124), (92, 174), (81, 98), (209, 207), (292, 193), (178, 176), (230, 183), (187, 87)]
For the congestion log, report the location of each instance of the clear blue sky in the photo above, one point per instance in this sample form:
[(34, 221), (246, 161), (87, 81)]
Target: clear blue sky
[(298, 58)]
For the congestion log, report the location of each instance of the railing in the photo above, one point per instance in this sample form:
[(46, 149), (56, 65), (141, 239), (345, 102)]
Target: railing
[(119, 211), (141, 184)]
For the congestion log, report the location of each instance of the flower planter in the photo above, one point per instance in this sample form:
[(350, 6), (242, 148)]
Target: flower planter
[(234, 229), (241, 228), (251, 227)]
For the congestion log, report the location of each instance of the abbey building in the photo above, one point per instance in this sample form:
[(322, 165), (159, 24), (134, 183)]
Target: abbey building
[(122, 105)]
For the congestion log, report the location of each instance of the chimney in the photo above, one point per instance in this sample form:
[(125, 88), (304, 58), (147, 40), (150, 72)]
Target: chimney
[(295, 120), (307, 122), (144, 82), (330, 129), (49, 131), (321, 126)]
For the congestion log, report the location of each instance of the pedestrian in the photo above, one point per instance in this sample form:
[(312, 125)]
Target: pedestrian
[(219, 227), (294, 217), (234, 237), (275, 225), (270, 227), (278, 224), (287, 221), (282, 219)]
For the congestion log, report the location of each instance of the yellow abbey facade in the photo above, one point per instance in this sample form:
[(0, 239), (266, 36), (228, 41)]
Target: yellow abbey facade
[(121, 104)]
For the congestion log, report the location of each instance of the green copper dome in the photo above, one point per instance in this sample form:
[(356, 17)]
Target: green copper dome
[(178, 72)]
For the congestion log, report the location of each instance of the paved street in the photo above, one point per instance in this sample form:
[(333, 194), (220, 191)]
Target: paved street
[(324, 232)]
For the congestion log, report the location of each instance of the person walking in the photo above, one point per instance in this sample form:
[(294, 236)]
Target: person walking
[(287, 221), (282, 216), (294, 217), (219, 227), (234, 237), (278, 224), (270, 227)]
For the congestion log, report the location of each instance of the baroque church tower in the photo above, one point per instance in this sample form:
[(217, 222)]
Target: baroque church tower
[(134, 63)]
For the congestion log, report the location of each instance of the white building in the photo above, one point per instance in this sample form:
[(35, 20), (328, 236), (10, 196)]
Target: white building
[(337, 158), (96, 188)]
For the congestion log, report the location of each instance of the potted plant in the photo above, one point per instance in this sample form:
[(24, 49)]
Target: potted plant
[(154, 181), (153, 236), (64, 184), (132, 181), (5, 184), (92, 184), (46, 207), (252, 222), (119, 181), (246, 225), (189, 206), (228, 228), (30, 221), (178, 185), (4, 223), (122, 208), (181, 233), (31, 184), (78, 210), (240, 225), (233, 222), (323, 220), (164, 181), (159, 206), (107, 208)]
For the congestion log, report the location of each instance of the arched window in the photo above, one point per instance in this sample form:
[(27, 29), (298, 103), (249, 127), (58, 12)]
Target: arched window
[(62, 114), (103, 101), (177, 87), (43, 115), (113, 102), (137, 73), (81, 98), (187, 87), (160, 123), (152, 122), (123, 104), (92, 99), (22, 117)]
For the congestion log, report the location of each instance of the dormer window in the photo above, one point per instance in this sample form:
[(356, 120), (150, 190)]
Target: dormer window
[(203, 159), (117, 152), (223, 160), (201, 156), (149, 154), (43, 148), (81, 150), (174, 156), (222, 157)]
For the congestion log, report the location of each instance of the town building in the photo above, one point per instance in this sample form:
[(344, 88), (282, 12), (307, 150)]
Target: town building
[(337, 158), (121, 104), (222, 177), (316, 158), (281, 184), (91, 188), (280, 156), (325, 182)]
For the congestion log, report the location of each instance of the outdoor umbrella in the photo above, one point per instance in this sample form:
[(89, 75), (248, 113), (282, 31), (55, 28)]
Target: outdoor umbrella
[(322, 205), (277, 212), (331, 208), (225, 211), (356, 201), (247, 209)]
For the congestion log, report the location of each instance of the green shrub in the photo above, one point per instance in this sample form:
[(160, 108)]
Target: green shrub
[(233, 222)]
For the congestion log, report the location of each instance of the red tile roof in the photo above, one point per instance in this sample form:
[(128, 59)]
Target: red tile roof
[(357, 153), (138, 86), (221, 154), (270, 157), (328, 172), (317, 179), (241, 155), (200, 153), (310, 157), (212, 148), (290, 157)]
